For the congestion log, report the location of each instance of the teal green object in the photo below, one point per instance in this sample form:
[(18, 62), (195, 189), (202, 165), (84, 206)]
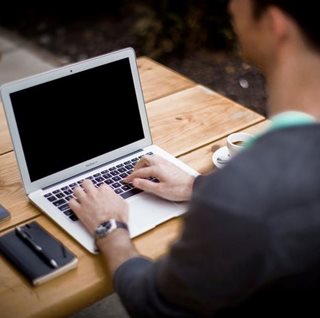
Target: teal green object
[(284, 120)]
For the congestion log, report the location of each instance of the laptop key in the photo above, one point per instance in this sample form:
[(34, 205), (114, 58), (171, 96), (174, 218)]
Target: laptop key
[(59, 202), (60, 195), (126, 188), (52, 198), (64, 207), (73, 217), (68, 212), (130, 193)]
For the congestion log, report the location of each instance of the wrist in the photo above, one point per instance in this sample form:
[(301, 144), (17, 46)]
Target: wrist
[(116, 248), (117, 239), (187, 192)]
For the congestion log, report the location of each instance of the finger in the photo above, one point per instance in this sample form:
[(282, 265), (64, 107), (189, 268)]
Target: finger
[(88, 186), (79, 193), (145, 160), (141, 173), (74, 204), (146, 185), (105, 188)]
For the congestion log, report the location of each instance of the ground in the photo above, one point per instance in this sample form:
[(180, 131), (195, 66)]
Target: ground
[(225, 73), (88, 36)]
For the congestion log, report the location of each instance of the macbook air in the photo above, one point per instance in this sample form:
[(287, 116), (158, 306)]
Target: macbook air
[(82, 121)]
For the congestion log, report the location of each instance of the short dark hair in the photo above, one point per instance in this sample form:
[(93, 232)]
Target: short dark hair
[(304, 13)]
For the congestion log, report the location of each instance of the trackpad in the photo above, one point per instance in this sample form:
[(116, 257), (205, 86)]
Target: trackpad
[(147, 211)]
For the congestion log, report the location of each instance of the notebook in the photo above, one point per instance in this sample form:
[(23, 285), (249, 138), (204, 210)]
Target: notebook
[(84, 120), (34, 255)]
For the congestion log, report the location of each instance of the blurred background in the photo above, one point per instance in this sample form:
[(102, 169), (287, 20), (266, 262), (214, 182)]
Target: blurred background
[(193, 37)]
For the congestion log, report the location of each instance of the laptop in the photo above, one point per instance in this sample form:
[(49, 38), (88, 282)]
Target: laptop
[(82, 121)]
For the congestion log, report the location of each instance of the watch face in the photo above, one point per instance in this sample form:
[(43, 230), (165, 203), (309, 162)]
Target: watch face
[(103, 228), (107, 227)]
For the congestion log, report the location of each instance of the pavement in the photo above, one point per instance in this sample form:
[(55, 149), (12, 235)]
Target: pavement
[(18, 59)]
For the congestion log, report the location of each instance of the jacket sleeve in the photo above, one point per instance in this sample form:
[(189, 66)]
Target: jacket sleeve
[(211, 266), (135, 283)]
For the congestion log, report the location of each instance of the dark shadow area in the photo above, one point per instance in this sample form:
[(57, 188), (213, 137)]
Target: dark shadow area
[(194, 38)]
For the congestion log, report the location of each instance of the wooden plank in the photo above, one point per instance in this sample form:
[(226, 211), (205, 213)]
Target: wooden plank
[(78, 288), (12, 194), (5, 140), (159, 81), (195, 117), (201, 159)]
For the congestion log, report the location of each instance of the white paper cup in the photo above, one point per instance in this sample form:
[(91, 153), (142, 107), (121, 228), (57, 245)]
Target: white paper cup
[(236, 142)]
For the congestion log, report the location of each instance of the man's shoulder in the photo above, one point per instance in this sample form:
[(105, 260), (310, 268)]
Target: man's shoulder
[(268, 171), (294, 138), (281, 151)]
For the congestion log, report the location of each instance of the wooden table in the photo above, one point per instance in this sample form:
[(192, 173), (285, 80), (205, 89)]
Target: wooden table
[(186, 119)]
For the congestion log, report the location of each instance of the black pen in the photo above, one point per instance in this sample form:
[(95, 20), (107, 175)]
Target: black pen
[(36, 247)]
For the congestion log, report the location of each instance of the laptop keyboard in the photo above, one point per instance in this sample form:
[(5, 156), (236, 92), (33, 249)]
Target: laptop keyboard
[(113, 176)]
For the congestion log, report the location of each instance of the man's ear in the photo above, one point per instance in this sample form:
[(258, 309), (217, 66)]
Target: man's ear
[(278, 22)]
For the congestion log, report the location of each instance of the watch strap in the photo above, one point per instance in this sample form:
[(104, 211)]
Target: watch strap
[(108, 227), (122, 225)]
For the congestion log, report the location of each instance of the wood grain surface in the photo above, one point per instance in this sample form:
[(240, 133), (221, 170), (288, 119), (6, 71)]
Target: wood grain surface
[(186, 119), (194, 117)]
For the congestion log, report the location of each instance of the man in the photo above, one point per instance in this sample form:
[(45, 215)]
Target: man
[(251, 237)]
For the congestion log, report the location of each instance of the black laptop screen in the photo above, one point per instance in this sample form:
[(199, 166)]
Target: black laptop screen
[(75, 118)]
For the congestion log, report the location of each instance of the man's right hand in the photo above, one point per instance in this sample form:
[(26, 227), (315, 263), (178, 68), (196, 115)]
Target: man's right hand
[(174, 184)]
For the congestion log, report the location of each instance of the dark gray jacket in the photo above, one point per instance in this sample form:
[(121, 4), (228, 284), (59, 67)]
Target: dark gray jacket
[(251, 239)]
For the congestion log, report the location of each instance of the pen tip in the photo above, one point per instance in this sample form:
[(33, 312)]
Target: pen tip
[(54, 263)]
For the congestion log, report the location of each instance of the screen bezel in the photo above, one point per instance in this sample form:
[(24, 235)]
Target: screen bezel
[(57, 73)]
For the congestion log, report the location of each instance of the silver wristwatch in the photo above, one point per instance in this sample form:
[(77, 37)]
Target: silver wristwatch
[(109, 226)]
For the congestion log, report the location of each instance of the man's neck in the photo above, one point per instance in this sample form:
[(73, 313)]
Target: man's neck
[(294, 85)]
